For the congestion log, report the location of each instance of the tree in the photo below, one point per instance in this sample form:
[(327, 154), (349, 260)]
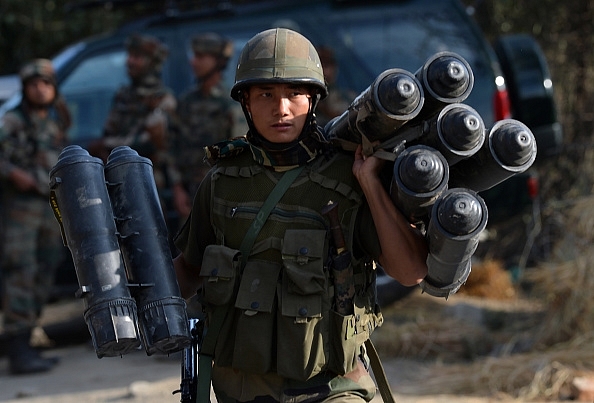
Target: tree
[(40, 28)]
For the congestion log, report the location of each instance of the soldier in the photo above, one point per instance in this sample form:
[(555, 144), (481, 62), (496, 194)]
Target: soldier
[(142, 114), (205, 113), (280, 326), (31, 138), (338, 99)]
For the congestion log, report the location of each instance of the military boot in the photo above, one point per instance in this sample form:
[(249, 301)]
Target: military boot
[(24, 359)]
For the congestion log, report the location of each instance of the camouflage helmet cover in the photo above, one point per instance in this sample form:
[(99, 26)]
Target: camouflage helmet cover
[(38, 68), (278, 55), (212, 43), (149, 46)]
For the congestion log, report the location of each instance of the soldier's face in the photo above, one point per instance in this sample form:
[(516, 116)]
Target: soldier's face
[(40, 92), (203, 64), (279, 111), (137, 64)]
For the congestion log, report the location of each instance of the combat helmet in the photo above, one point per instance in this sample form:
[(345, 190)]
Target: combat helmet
[(38, 68), (278, 55), (149, 46), (213, 44)]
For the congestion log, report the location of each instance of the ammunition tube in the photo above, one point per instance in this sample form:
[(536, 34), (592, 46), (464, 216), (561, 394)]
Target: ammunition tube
[(394, 98), (457, 219), (420, 176), (458, 132), (145, 247), (509, 149), (445, 78), (82, 207)]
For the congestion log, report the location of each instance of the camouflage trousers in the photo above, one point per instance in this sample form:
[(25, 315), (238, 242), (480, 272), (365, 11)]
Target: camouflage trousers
[(31, 251)]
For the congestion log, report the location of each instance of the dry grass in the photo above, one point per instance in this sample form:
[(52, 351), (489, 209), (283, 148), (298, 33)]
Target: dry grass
[(561, 346), (537, 375), (489, 279)]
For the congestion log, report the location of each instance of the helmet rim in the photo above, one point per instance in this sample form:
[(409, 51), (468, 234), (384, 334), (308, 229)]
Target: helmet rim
[(279, 56)]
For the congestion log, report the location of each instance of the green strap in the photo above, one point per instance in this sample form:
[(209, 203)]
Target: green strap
[(210, 339), (379, 373)]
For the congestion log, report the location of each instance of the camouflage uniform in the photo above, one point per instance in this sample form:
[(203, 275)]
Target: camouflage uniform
[(141, 116), (207, 120), (32, 246), (206, 116), (126, 126)]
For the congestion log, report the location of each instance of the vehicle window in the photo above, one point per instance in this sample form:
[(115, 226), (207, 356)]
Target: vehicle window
[(89, 91), (404, 40)]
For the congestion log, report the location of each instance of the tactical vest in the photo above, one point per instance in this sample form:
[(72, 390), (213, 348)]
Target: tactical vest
[(279, 315)]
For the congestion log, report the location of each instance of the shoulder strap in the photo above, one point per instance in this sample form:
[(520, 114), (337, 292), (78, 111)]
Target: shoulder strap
[(379, 373), (273, 198), (212, 334)]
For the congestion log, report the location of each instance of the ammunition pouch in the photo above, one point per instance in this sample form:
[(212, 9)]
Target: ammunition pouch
[(292, 300)]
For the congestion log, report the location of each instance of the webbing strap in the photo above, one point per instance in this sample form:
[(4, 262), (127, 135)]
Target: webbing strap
[(273, 198), (214, 328), (379, 373)]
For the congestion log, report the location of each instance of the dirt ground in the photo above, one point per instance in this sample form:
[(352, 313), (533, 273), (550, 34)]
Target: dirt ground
[(135, 377), (81, 377)]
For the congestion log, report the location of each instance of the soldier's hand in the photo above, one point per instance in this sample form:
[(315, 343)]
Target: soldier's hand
[(366, 167), (23, 180)]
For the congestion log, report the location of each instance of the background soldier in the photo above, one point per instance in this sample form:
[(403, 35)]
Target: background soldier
[(205, 113), (141, 116), (31, 138)]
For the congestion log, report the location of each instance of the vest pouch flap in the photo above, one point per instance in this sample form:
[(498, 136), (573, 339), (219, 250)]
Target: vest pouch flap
[(253, 350), (301, 307), (258, 285), (303, 259), (219, 268), (301, 329)]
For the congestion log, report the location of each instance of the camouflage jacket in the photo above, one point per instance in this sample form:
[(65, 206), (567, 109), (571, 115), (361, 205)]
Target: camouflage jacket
[(204, 120), (30, 143), (132, 112), (143, 120)]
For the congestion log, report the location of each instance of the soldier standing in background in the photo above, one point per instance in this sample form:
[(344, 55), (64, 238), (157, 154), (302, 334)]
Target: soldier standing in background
[(31, 137), (141, 116), (205, 113)]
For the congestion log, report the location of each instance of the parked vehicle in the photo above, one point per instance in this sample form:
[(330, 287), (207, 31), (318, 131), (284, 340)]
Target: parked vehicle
[(9, 85), (511, 78)]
